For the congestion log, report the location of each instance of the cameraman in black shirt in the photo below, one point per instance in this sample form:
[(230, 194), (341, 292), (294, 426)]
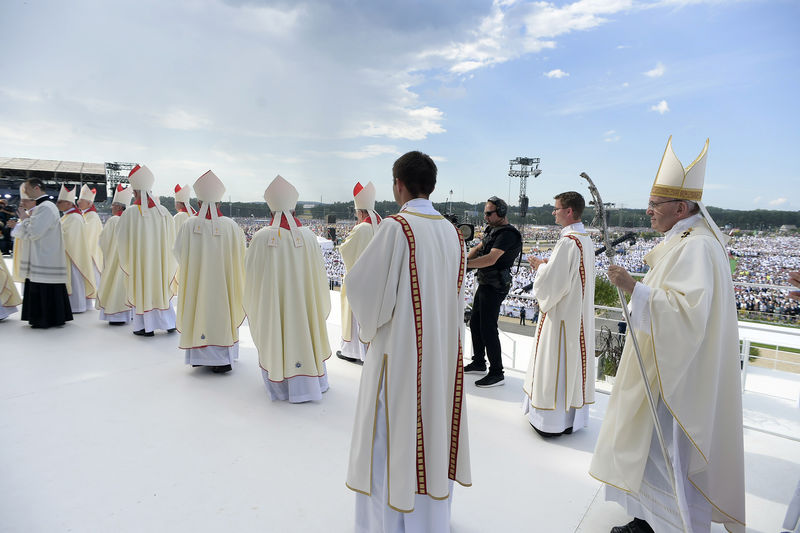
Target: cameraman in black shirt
[(493, 257)]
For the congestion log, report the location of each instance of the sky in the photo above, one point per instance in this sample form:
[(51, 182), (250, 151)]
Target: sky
[(328, 93)]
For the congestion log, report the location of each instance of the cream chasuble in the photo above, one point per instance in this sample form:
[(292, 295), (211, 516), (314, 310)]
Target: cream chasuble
[(211, 269), (111, 295), (180, 218), (9, 295), (691, 353), (19, 243), (407, 293), (94, 226), (73, 229), (564, 287), (145, 256), (287, 301), (351, 249)]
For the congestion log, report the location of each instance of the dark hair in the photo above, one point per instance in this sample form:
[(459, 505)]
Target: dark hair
[(35, 182), (417, 171), (500, 206), (573, 200)]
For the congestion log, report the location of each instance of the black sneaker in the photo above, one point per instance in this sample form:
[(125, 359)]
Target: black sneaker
[(491, 380), (475, 368), (221, 369)]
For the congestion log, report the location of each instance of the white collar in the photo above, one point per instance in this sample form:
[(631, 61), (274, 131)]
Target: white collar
[(577, 227), (682, 225), (423, 206)]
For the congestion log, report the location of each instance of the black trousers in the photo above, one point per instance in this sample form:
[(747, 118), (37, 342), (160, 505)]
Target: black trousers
[(483, 327)]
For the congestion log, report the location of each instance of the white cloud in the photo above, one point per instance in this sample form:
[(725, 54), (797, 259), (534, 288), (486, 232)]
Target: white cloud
[(626, 84), (413, 124), (180, 119), (611, 136), (369, 151), (656, 72), (661, 107), (757, 199), (778, 201), (557, 73)]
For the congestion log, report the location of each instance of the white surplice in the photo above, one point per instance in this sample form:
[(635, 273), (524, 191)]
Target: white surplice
[(407, 296)]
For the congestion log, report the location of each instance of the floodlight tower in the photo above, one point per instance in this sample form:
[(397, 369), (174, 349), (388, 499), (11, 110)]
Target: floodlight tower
[(523, 168)]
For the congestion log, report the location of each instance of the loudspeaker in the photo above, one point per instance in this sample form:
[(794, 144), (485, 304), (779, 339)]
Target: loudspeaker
[(332, 234), (331, 219)]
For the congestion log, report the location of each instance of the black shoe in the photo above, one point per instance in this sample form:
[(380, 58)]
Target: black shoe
[(143, 333), (475, 368), (545, 434), (343, 357), (171, 330), (491, 380), (117, 323), (195, 366), (221, 369), (637, 525)]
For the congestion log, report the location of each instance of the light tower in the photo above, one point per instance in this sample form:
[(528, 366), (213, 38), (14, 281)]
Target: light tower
[(523, 168)]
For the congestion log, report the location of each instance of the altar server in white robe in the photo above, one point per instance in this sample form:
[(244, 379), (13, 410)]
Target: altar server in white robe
[(112, 298), (683, 314), (210, 253), (352, 348), (43, 265), (26, 203), (287, 301), (9, 295), (559, 383), (81, 285), (93, 228), (410, 439), (146, 237)]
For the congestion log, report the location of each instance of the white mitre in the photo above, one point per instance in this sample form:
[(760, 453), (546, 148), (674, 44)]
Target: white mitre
[(87, 193), (122, 195), (66, 195), (673, 181), (281, 197), (22, 194), (364, 198), (183, 194), (209, 190), (142, 179)]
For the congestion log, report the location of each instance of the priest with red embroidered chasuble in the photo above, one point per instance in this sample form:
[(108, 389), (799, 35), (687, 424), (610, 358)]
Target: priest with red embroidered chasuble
[(210, 252), (146, 237), (559, 383), (410, 441), (112, 298), (81, 284), (287, 301), (683, 314), (353, 349)]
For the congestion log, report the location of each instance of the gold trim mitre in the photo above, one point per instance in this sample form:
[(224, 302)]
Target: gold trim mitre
[(673, 181)]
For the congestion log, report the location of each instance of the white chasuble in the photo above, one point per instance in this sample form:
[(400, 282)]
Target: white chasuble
[(73, 229), (691, 354), (9, 295), (19, 244), (287, 301), (145, 256), (94, 226), (407, 293), (564, 288), (111, 295), (351, 249), (211, 270), (179, 218)]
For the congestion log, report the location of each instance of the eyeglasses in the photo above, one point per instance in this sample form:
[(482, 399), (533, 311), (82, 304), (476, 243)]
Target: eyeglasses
[(489, 213), (653, 205)]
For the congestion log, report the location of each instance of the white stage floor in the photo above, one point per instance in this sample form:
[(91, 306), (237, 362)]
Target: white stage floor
[(104, 431)]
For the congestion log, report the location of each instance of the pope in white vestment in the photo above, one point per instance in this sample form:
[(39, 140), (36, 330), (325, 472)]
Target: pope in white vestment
[(559, 383), (352, 348), (112, 298), (82, 284), (410, 440), (146, 236), (683, 315), (210, 252), (287, 301)]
